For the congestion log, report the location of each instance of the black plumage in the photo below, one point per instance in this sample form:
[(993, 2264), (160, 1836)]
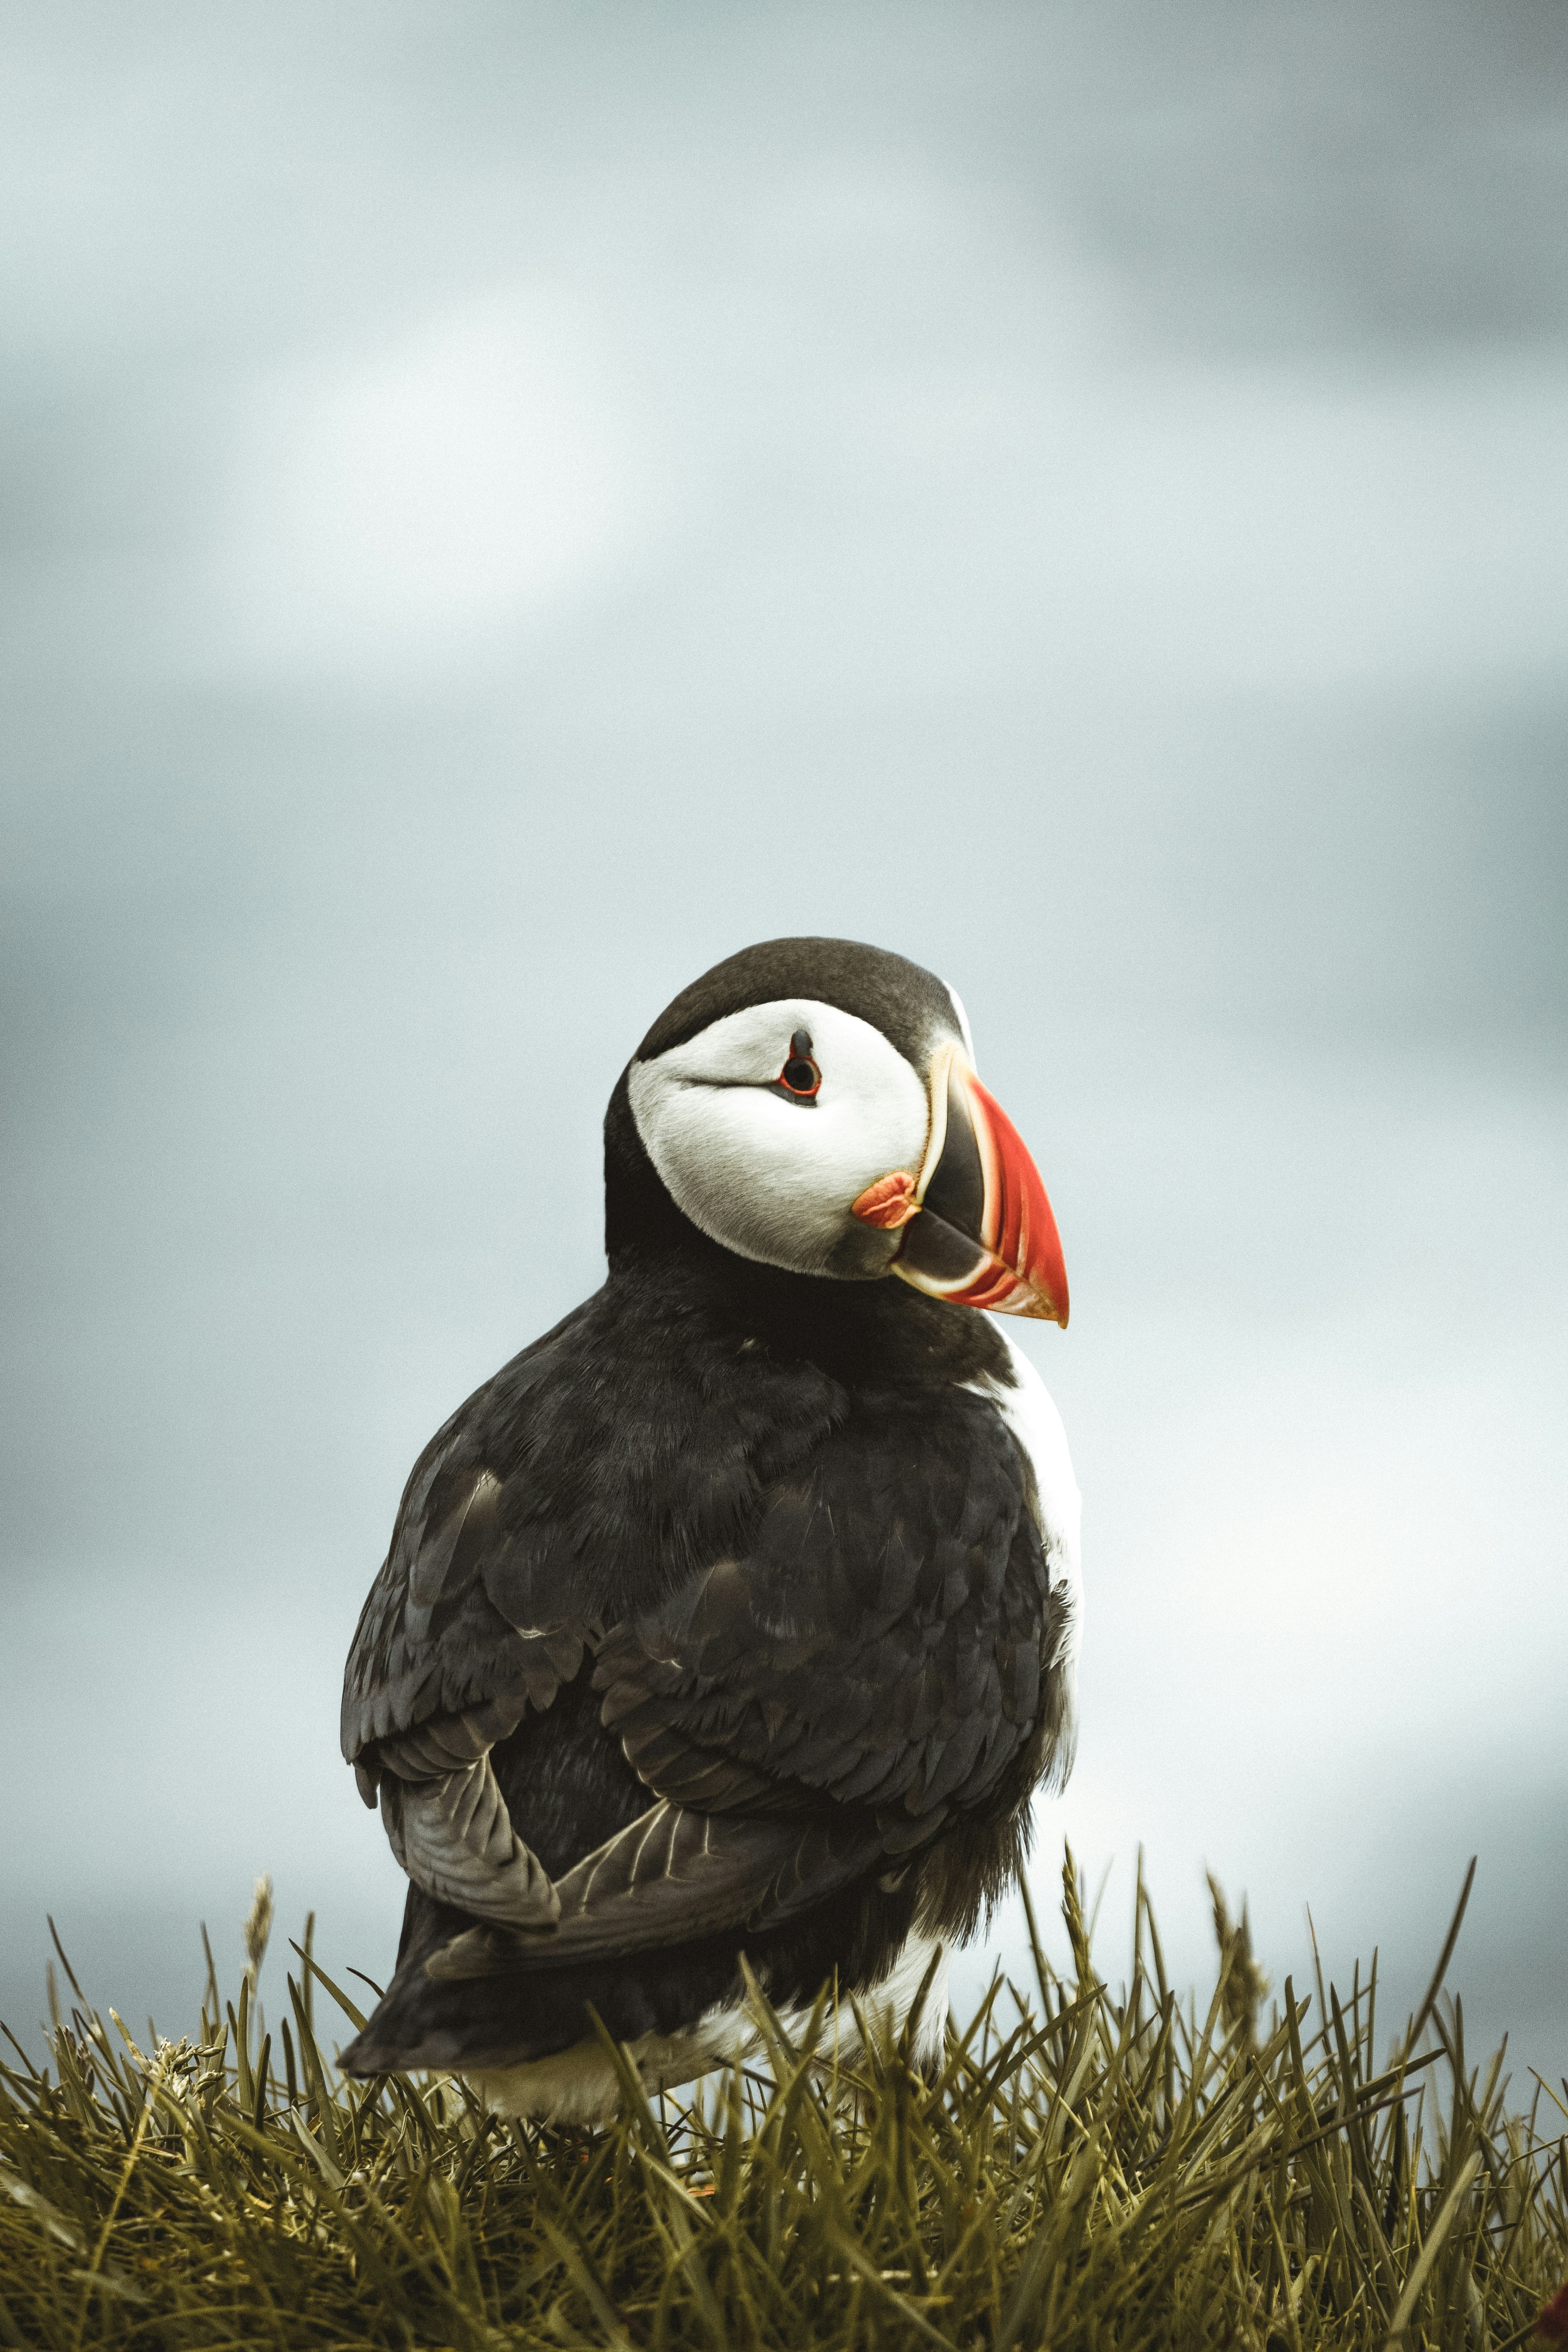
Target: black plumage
[(742, 1573)]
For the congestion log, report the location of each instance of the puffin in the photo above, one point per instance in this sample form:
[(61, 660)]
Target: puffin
[(730, 1631)]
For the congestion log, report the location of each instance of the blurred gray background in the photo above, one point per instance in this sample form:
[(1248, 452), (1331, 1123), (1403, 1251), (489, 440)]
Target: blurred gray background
[(503, 505)]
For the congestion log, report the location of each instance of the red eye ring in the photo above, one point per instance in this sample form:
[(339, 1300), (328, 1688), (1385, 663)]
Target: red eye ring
[(800, 1077)]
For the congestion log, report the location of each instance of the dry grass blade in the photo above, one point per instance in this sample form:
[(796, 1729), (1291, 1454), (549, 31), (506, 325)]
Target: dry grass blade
[(1088, 2169)]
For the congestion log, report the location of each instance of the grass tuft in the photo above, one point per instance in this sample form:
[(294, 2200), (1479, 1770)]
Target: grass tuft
[(1089, 2169)]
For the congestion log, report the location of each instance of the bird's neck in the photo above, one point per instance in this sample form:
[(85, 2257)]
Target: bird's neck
[(857, 1330)]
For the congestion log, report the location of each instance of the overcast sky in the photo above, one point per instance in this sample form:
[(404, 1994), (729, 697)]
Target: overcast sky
[(501, 506)]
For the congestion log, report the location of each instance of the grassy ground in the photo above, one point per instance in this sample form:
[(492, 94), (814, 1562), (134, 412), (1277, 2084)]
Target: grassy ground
[(1093, 2169)]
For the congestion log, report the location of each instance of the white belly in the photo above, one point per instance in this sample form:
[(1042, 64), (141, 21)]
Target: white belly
[(580, 2085)]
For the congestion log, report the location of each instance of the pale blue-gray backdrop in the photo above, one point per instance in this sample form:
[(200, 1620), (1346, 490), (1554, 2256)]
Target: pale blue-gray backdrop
[(504, 504)]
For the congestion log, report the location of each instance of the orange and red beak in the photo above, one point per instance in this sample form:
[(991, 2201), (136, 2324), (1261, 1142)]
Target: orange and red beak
[(977, 1228)]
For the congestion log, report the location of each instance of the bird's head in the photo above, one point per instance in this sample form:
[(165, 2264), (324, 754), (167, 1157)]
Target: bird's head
[(813, 1105)]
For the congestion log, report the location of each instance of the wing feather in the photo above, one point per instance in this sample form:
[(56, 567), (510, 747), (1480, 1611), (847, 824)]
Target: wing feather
[(833, 1696), (435, 1638)]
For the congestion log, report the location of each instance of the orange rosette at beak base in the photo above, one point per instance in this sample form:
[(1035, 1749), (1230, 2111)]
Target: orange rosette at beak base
[(977, 1226), (888, 1204)]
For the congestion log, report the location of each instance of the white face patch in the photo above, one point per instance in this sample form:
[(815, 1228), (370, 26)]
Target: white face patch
[(772, 1178)]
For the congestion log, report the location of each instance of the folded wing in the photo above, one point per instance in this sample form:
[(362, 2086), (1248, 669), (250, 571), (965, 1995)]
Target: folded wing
[(821, 1706)]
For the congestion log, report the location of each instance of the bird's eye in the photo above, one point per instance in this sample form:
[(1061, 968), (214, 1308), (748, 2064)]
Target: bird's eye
[(800, 1077)]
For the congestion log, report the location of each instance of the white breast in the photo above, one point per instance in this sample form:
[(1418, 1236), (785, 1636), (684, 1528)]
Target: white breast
[(1034, 1422)]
